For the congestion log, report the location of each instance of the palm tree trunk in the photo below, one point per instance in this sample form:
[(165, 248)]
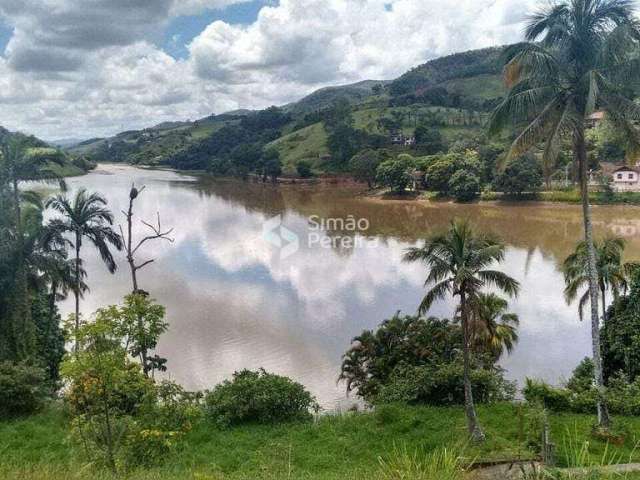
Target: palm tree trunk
[(580, 152), (472, 419), (22, 327), (76, 291)]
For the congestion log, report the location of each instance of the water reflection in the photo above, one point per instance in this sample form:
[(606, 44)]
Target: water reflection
[(232, 303)]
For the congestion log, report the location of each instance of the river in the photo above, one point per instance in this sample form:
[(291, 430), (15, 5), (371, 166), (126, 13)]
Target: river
[(235, 299)]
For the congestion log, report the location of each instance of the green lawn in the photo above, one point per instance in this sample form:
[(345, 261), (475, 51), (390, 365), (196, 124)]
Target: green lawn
[(336, 447)]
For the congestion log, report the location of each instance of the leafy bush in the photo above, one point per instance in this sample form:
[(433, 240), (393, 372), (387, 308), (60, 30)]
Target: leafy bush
[(258, 397), (464, 186), (442, 169), (580, 395), (417, 360), (121, 417), (443, 385), (304, 169), (620, 339), (523, 175), (394, 174), (23, 389), (539, 392)]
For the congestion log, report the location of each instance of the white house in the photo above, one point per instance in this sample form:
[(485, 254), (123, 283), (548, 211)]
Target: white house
[(627, 179)]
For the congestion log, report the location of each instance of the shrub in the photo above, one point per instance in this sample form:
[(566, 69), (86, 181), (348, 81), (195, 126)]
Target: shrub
[(442, 169), (304, 169), (581, 396), (394, 174), (539, 392), (258, 397), (464, 186), (417, 360), (443, 385), (619, 334), (23, 389), (523, 175)]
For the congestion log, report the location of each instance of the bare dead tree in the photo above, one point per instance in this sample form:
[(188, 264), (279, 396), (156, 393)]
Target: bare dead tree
[(157, 233)]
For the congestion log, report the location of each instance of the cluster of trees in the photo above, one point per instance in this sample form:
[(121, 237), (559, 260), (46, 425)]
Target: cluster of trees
[(620, 348), (35, 270), (460, 175), (435, 361)]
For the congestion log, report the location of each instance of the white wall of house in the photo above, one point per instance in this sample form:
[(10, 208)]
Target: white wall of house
[(626, 181)]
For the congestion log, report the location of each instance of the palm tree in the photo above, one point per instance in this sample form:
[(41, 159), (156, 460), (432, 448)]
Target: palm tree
[(459, 264), (86, 217), (494, 330), (22, 158), (610, 270), (580, 55)]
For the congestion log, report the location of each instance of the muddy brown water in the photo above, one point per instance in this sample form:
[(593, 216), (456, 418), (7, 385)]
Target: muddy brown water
[(236, 300)]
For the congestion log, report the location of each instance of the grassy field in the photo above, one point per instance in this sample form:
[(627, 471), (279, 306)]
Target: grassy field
[(570, 196), (335, 447), (305, 144), (67, 170)]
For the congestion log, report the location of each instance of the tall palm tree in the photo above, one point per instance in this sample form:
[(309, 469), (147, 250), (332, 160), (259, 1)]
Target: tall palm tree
[(494, 329), (85, 217), (22, 158), (459, 264), (611, 272), (579, 56)]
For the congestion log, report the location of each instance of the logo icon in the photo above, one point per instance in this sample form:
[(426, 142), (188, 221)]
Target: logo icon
[(280, 236)]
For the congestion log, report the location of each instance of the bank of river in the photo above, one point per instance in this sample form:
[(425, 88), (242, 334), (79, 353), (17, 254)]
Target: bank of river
[(234, 300)]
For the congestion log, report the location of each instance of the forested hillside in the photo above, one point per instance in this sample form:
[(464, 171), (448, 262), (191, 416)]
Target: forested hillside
[(65, 165), (451, 94)]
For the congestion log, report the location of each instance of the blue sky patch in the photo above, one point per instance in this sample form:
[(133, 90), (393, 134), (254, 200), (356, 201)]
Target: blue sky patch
[(5, 35), (182, 30)]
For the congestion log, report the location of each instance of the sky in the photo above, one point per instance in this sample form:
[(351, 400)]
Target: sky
[(88, 68)]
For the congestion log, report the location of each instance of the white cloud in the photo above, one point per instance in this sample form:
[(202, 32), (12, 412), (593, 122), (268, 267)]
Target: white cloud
[(95, 69), (193, 7)]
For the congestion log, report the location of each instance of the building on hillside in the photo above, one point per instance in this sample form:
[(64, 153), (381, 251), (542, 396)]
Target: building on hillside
[(399, 138), (627, 179), (595, 119)]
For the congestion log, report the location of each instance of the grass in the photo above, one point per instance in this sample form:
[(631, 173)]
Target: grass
[(568, 196), (304, 144), (336, 447), (67, 170)]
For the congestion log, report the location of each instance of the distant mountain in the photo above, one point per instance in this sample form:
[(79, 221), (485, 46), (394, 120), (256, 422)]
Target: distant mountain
[(460, 89), (325, 97), (66, 142)]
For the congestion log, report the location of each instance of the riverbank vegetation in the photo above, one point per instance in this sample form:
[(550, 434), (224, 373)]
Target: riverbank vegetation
[(337, 446)]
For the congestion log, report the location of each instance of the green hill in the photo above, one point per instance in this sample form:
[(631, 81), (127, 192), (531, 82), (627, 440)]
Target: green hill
[(457, 91), (72, 165), (325, 97), (463, 65), (308, 143)]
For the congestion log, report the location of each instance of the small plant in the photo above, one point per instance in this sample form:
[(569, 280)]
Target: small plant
[(577, 453), (441, 464)]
